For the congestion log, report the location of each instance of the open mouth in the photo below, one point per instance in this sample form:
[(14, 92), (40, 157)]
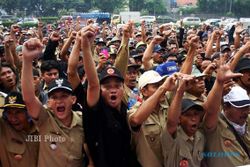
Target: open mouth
[(10, 81), (113, 97), (194, 127), (60, 109)]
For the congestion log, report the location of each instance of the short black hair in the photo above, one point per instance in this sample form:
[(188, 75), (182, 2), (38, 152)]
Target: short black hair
[(49, 65)]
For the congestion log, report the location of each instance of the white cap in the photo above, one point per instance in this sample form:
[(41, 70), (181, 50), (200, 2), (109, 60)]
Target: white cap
[(149, 77), (237, 97)]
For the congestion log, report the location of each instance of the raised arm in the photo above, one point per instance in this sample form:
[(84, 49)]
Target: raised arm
[(147, 56), (73, 61), (209, 49), (93, 91), (121, 61), (244, 49), (40, 30), (212, 105), (238, 30), (187, 65), (174, 111), (66, 46), (31, 50), (150, 104)]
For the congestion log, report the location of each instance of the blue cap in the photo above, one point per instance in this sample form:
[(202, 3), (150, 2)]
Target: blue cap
[(158, 48), (167, 68)]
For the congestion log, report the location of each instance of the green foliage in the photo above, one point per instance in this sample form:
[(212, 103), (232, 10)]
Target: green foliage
[(7, 23), (49, 19), (227, 7), (189, 10), (153, 7)]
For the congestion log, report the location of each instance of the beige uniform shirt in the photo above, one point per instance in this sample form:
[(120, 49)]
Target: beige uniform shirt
[(15, 148), (180, 147), (198, 100), (222, 140), (147, 140), (60, 146)]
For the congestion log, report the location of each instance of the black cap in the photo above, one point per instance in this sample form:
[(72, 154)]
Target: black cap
[(131, 63), (14, 100), (109, 72), (243, 64), (60, 83), (224, 48), (100, 40), (188, 103)]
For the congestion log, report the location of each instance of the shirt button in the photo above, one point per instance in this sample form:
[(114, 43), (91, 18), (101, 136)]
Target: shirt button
[(18, 157)]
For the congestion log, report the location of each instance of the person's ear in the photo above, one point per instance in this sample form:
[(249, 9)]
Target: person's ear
[(144, 92), (73, 99)]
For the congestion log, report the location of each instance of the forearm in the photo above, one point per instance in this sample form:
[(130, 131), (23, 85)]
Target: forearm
[(218, 45), (8, 57), (121, 61), (237, 41), (65, 48), (147, 107), (40, 33), (147, 56), (236, 59), (49, 53), (209, 49), (28, 89), (72, 72), (188, 63), (174, 112), (212, 105)]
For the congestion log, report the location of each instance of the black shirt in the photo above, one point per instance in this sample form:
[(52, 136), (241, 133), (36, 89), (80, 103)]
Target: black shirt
[(107, 135)]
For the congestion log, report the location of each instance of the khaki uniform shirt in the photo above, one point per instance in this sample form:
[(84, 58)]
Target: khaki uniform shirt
[(2, 99), (60, 146), (15, 148), (147, 139), (222, 140), (198, 100), (180, 147)]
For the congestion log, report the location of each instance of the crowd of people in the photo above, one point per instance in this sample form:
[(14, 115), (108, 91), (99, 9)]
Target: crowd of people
[(102, 96)]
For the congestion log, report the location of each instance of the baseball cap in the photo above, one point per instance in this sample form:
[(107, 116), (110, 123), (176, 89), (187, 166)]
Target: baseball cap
[(100, 41), (224, 48), (149, 37), (13, 100), (158, 48), (196, 72), (138, 34), (237, 97), (167, 68), (149, 77), (140, 44), (243, 64), (131, 63), (109, 72), (61, 84), (188, 103), (115, 39)]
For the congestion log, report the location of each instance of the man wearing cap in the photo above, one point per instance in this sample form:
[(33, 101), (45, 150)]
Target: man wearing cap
[(197, 89), (153, 54), (243, 67), (98, 47), (181, 139), (130, 78), (147, 119), (61, 131), (227, 131), (105, 121), (19, 142)]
